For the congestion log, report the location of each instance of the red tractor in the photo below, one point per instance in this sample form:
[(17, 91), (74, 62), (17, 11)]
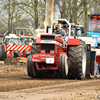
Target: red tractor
[(52, 57)]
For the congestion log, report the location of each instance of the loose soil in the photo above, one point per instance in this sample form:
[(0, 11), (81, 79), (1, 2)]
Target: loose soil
[(15, 83)]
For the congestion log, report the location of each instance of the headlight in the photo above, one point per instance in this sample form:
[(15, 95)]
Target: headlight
[(42, 51), (51, 51)]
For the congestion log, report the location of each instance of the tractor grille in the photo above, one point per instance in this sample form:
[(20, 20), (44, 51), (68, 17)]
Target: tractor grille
[(47, 47), (47, 37)]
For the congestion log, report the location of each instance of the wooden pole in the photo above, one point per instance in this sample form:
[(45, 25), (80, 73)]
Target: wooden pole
[(49, 12)]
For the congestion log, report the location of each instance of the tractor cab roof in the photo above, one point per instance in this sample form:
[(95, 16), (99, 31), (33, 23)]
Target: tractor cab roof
[(12, 36), (26, 36)]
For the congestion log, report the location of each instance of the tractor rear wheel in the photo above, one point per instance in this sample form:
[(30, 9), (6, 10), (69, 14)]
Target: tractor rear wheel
[(77, 57), (2, 53), (63, 66), (35, 48)]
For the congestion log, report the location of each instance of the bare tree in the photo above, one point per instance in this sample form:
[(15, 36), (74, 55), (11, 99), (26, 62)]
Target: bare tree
[(10, 12), (73, 10), (77, 9), (35, 9), (11, 9)]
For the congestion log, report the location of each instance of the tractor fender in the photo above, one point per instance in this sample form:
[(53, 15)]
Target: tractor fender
[(62, 53), (73, 41)]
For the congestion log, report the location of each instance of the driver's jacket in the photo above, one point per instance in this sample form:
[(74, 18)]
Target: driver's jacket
[(62, 32)]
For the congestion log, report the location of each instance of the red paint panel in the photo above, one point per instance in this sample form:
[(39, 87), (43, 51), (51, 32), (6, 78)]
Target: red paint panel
[(41, 57), (98, 59), (62, 53), (58, 39), (73, 41), (38, 41)]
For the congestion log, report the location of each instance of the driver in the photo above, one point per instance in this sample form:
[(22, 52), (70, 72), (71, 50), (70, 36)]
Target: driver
[(62, 32), (97, 28)]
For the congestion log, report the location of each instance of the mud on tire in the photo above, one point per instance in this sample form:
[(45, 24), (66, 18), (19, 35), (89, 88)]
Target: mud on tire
[(77, 57)]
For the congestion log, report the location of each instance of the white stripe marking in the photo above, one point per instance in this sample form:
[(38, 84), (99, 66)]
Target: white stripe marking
[(28, 48), (20, 48), (17, 47), (13, 47), (8, 52), (24, 48), (9, 47)]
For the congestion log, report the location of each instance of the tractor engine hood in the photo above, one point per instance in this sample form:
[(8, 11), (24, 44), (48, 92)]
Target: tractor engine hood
[(48, 37)]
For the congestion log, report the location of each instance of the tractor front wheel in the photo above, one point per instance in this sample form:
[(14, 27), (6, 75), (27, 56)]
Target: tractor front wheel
[(0, 52), (63, 66), (31, 69), (28, 68), (77, 57)]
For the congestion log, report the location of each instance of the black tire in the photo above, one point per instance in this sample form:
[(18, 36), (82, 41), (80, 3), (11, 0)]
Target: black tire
[(31, 69), (0, 52), (77, 57), (35, 48), (60, 66), (28, 68), (63, 66)]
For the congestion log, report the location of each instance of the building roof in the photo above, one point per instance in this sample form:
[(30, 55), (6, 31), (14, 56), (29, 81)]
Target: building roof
[(24, 23)]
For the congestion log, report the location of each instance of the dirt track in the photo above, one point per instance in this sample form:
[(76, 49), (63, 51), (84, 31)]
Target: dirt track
[(15, 83)]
